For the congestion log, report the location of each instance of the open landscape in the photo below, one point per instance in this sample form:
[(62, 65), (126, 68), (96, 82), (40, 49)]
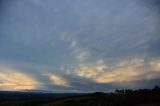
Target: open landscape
[(141, 97), (79, 52)]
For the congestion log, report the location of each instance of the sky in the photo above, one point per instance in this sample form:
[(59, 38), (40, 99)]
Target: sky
[(79, 45)]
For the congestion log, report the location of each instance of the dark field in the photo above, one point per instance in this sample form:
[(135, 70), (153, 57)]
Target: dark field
[(141, 97)]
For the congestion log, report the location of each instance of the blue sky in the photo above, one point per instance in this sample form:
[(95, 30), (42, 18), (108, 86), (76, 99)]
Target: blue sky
[(79, 45)]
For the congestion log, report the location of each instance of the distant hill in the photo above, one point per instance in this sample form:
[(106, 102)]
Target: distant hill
[(141, 97)]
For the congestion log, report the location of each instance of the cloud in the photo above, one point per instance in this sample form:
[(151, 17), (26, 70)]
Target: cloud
[(89, 71), (129, 70), (16, 80), (126, 74), (155, 65), (58, 80), (73, 43), (134, 62), (82, 56), (72, 37)]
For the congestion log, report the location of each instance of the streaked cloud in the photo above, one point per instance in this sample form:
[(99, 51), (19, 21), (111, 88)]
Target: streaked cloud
[(73, 43), (16, 80), (125, 71), (82, 56), (126, 74), (58, 80), (135, 71)]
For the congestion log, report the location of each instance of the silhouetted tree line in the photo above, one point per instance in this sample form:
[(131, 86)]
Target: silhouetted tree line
[(128, 97)]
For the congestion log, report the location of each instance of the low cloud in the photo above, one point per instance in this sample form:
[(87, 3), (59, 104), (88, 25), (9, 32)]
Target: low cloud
[(119, 75), (155, 65), (58, 80), (124, 71), (16, 80)]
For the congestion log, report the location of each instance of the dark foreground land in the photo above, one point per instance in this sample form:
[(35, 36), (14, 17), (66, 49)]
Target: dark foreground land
[(141, 97)]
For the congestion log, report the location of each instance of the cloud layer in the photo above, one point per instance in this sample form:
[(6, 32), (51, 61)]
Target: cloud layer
[(73, 45)]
